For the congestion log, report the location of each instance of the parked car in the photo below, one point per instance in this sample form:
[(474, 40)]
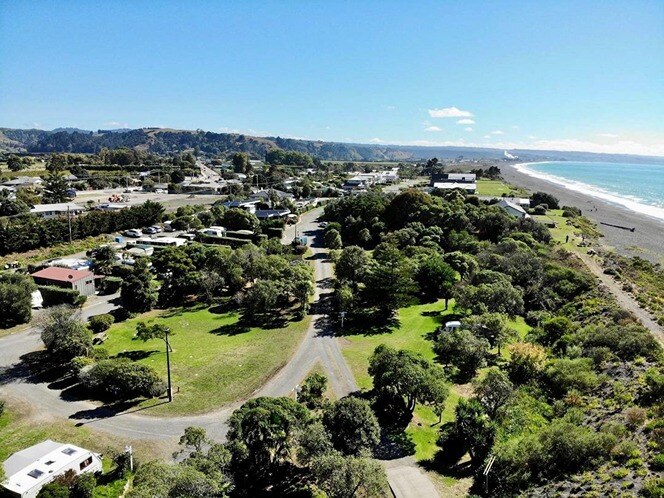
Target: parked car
[(151, 230), (71, 193), (160, 191), (168, 227), (132, 232)]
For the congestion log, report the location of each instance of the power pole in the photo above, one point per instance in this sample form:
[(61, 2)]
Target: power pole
[(69, 222), (168, 365)]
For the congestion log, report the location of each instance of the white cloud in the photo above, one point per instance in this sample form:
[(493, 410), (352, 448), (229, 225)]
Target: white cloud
[(532, 137), (608, 135), (468, 128), (497, 132), (450, 112), (375, 141), (515, 127), (116, 124), (466, 121), (487, 136), (433, 128), (390, 107)]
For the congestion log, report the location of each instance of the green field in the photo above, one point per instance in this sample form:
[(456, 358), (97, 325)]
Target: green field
[(215, 361), (416, 324), (565, 234), (498, 188)]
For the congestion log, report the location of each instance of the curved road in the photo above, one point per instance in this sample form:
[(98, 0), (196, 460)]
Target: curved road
[(319, 345)]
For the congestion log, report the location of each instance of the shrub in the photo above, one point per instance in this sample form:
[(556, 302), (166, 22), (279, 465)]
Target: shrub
[(564, 374), (657, 462), (100, 323), (111, 285), (122, 379), (55, 296), (15, 299), (2, 407), (653, 488), (635, 417)]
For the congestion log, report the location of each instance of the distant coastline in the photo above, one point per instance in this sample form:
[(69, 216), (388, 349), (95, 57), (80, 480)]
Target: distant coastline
[(592, 190), (646, 241)]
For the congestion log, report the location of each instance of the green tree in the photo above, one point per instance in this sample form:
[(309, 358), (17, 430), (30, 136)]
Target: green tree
[(11, 204), (474, 427), (498, 297), (260, 299), (462, 349), (494, 327), (14, 163), (333, 239), (239, 219), (526, 363), (104, 259), (54, 490), (436, 278), (389, 281), (493, 391), (64, 335), (261, 435), (352, 426), (348, 477), (352, 265), (15, 299), (240, 162), (55, 188), (312, 390), (137, 293), (411, 377)]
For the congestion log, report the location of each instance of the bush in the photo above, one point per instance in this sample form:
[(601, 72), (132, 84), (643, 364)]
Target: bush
[(122, 379), (15, 299), (55, 296), (2, 407), (635, 417), (565, 374), (111, 285), (653, 488), (657, 462), (100, 323)]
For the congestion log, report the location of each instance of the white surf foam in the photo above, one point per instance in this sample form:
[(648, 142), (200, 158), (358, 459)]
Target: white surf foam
[(594, 191)]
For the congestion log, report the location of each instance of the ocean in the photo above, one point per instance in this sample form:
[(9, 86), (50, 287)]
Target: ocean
[(638, 187)]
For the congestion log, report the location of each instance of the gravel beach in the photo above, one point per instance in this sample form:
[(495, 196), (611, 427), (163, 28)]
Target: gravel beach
[(646, 241)]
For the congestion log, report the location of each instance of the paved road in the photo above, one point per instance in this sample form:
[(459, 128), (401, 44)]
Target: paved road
[(318, 344)]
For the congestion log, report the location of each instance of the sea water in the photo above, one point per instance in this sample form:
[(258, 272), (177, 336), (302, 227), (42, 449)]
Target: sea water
[(639, 187)]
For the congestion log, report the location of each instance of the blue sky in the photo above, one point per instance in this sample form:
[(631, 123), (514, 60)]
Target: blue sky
[(573, 75)]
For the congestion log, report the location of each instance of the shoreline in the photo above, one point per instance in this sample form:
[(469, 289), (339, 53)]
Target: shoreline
[(647, 240)]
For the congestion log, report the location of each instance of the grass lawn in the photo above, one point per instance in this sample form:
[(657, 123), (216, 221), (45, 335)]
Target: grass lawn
[(498, 188), (562, 230), (214, 361), (415, 324), (19, 429)]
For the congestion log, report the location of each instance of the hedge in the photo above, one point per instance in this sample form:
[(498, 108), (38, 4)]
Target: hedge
[(110, 285), (54, 295)]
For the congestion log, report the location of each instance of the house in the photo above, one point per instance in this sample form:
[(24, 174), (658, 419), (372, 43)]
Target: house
[(57, 209), (249, 206), (266, 214), (513, 209), (471, 188), (266, 195), (24, 182), (30, 469), (464, 178), (81, 280)]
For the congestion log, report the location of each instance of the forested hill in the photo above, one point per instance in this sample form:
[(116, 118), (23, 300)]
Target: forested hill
[(163, 140)]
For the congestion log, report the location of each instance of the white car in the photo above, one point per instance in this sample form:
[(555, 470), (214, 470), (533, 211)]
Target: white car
[(134, 233)]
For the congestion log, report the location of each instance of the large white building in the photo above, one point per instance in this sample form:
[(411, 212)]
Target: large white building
[(30, 469), (57, 209)]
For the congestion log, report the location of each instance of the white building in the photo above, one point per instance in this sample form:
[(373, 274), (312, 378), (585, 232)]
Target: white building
[(513, 209), (58, 209), (471, 188), (30, 469)]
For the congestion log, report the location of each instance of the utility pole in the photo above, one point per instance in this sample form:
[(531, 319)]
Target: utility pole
[(343, 315), (129, 450), (168, 364), (69, 222)]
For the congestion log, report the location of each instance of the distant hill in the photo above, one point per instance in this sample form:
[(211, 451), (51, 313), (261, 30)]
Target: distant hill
[(163, 140)]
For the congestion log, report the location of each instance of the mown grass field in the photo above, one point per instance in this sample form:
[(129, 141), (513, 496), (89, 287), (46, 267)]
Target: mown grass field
[(565, 234), (215, 360), (417, 324), (498, 188), (20, 429)]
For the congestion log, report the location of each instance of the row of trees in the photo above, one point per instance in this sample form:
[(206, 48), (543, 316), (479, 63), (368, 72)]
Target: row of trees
[(25, 233)]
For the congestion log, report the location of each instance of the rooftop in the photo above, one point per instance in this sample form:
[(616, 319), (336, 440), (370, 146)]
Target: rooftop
[(62, 274), (59, 206), (32, 466)]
